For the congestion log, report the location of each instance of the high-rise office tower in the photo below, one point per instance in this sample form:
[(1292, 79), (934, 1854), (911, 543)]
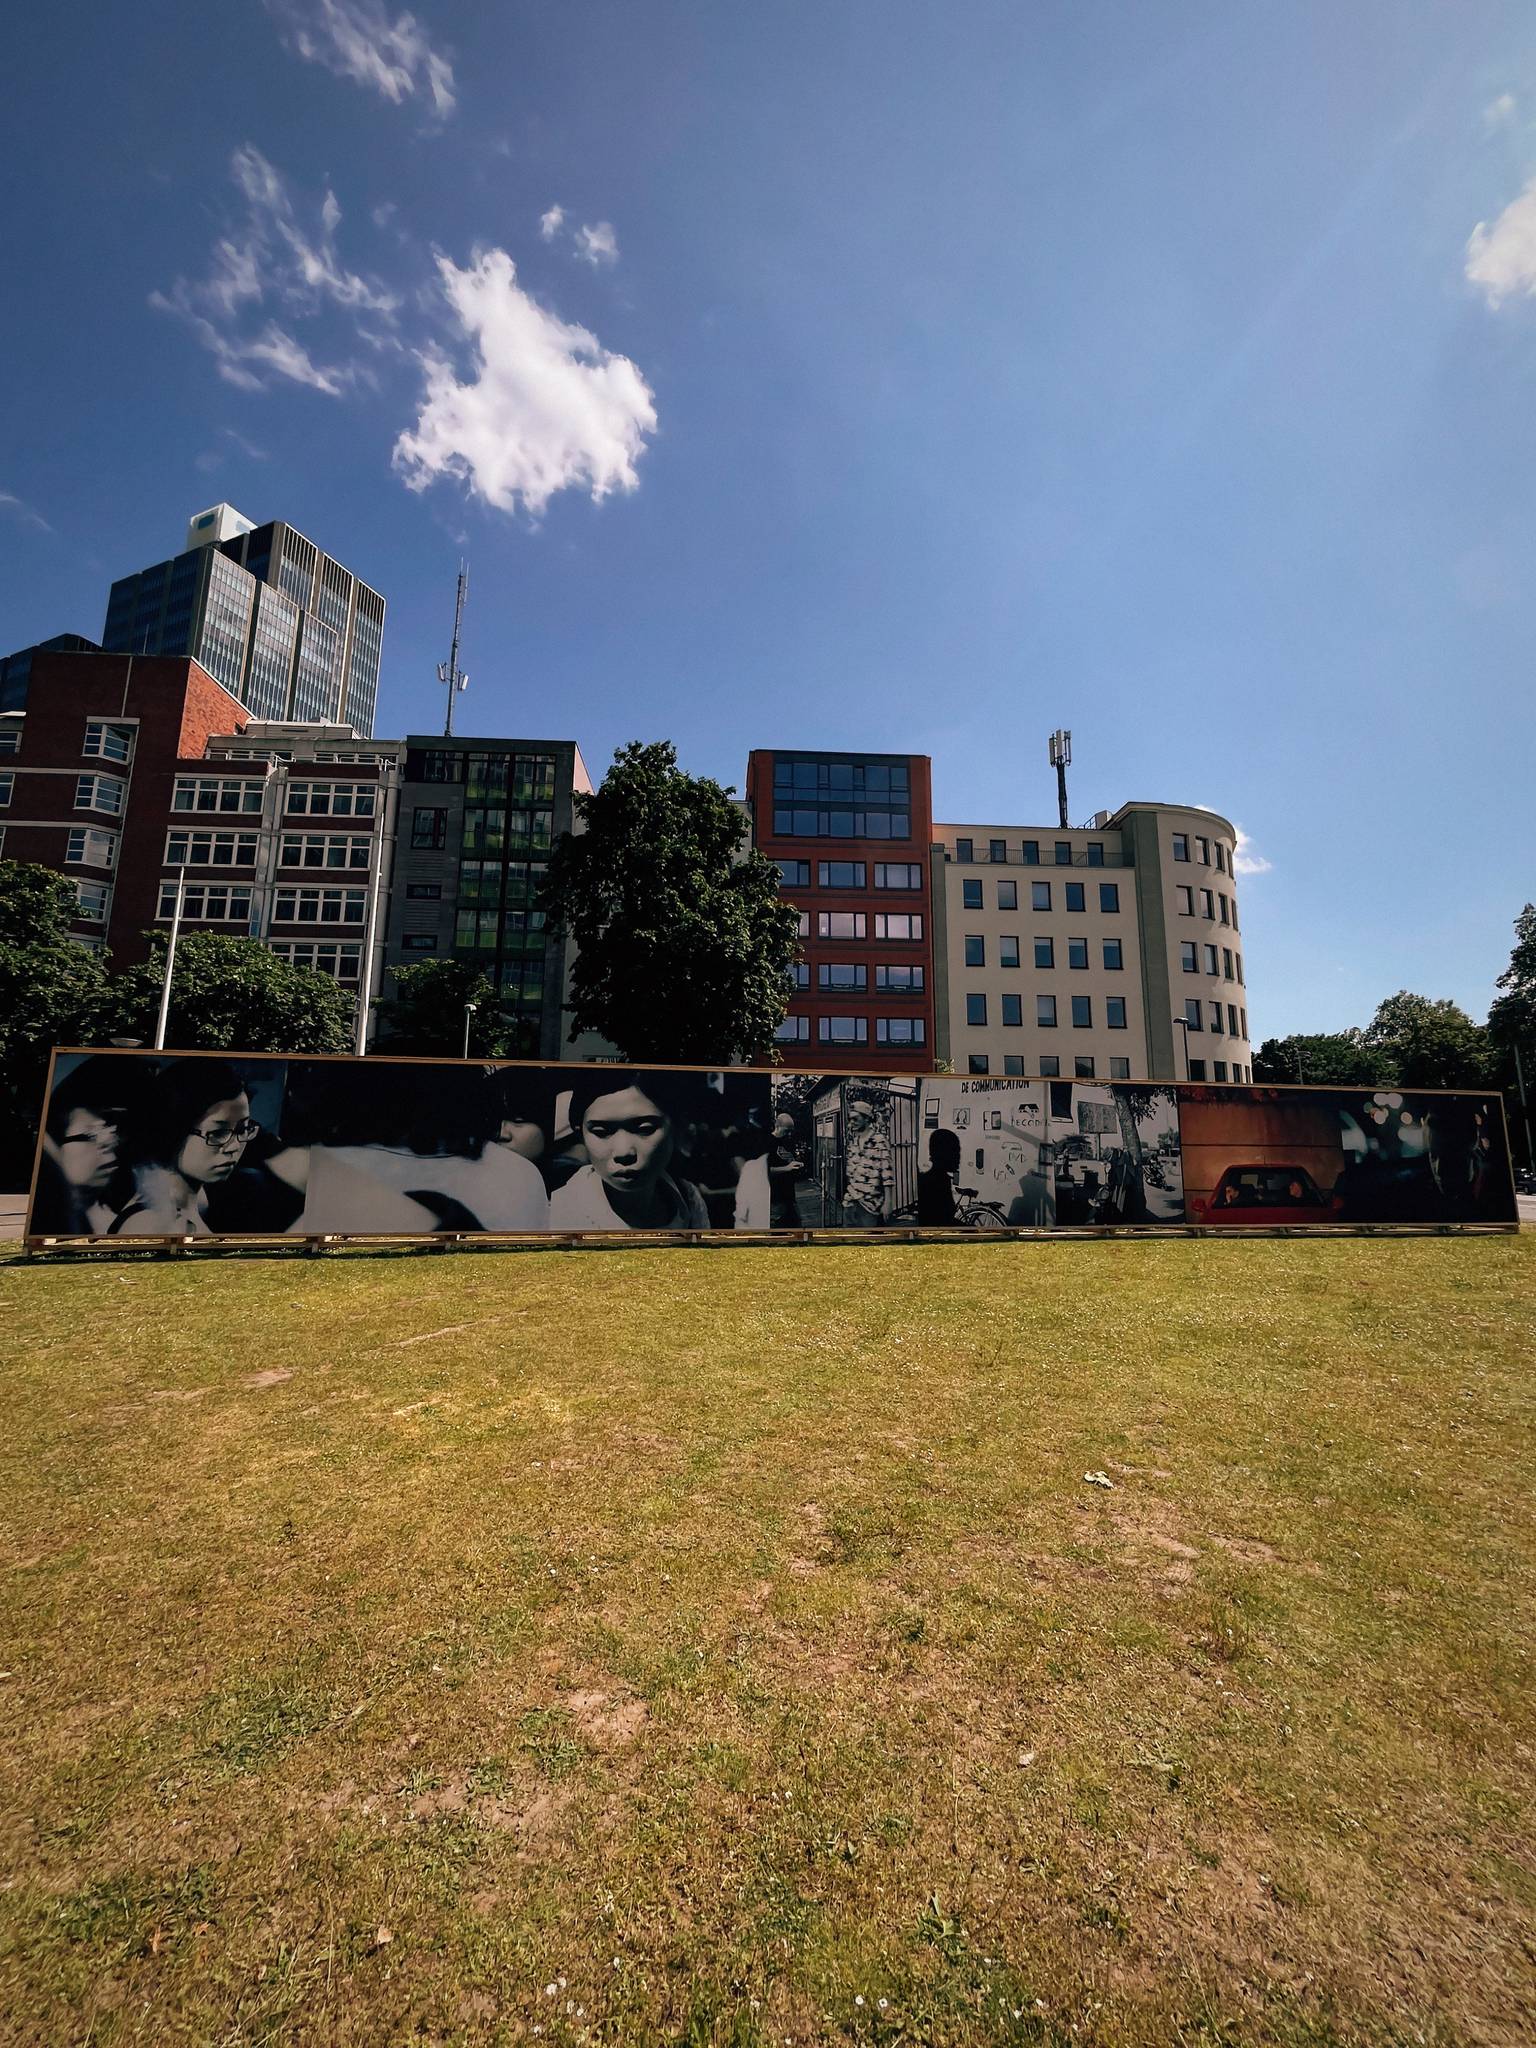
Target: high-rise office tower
[(286, 629)]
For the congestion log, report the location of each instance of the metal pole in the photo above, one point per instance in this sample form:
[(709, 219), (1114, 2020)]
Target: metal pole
[(469, 1011), (1182, 1024), (1525, 1108), (452, 674), (170, 962), (1300, 1076), (383, 839)]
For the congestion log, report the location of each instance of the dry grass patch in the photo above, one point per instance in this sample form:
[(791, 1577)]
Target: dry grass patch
[(727, 1648)]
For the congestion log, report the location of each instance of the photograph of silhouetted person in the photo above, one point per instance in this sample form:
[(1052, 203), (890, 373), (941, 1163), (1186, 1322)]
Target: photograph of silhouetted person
[(936, 1185)]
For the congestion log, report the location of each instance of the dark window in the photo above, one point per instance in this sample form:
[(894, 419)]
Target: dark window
[(840, 874), (1197, 1070), (424, 892), (1119, 1070), (904, 978), (429, 827), (1203, 847), (799, 973), (1040, 895), (1029, 853), (1082, 1013), (1045, 1012), (842, 974), (1216, 1024), (975, 950), (1226, 963), (1077, 952), (1113, 959), (1220, 1066), (1045, 952), (1109, 895), (1114, 1012), (1189, 956), (1013, 1063), (794, 874), (899, 874), (1232, 1030), (1082, 1066), (419, 942), (1210, 960), (1095, 853), (1063, 853), (1013, 1009), (996, 850), (970, 895), (1050, 1066), (1008, 952), (963, 849), (1192, 1013), (1007, 895), (1181, 846), (975, 1009), (793, 1031), (1077, 896), (842, 1030), (977, 1064)]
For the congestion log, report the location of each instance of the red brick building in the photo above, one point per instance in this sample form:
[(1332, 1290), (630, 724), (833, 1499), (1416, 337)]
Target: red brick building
[(852, 834), (130, 771)]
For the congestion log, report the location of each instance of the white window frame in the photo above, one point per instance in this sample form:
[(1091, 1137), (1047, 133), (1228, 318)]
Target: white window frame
[(308, 903), (311, 851), (100, 736), (79, 852), (90, 789), (331, 799), (341, 959), (207, 902), (245, 789), (200, 847), (101, 893)]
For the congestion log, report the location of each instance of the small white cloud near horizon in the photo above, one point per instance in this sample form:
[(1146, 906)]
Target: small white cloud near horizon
[(1501, 259), (356, 39), (598, 244), (9, 502), (550, 223), (548, 407), (1244, 860), (1499, 111)]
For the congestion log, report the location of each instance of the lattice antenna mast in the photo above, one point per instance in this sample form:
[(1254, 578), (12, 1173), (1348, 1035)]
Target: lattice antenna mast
[(1061, 761), (449, 672)]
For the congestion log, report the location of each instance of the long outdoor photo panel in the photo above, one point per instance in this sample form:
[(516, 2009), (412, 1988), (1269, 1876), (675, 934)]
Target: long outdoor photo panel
[(155, 1145)]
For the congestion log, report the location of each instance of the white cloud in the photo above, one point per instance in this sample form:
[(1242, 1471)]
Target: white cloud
[(549, 223), (598, 244), (1499, 111), (274, 259), (548, 408), (356, 39), (9, 502), (1501, 260), (1244, 860)]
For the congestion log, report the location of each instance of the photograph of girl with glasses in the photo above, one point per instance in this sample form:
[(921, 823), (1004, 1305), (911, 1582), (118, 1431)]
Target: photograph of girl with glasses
[(185, 1140)]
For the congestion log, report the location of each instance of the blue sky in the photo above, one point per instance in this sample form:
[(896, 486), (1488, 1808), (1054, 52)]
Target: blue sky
[(866, 373)]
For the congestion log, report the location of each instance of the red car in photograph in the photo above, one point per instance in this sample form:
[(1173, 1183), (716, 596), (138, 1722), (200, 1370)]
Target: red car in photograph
[(1252, 1196)]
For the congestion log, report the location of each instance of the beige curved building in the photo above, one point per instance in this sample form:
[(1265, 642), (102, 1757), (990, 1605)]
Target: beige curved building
[(1111, 951)]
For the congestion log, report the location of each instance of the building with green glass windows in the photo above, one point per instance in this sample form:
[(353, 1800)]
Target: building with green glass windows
[(477, 820)]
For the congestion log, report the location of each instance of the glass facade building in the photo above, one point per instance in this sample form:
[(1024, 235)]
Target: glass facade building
[(285, 628)]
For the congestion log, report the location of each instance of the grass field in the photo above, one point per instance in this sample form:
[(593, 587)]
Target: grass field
[(726, 1647)]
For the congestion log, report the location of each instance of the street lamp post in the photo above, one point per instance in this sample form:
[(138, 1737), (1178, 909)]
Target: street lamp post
[(469, 1011), (1182, 1024), (164, 1017)]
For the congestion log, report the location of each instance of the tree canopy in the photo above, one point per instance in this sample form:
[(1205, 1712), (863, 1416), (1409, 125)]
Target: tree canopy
[(1429, 1042), (426, 1014), (52, 992), (1323, 1059), (684, 943), (232, 995)]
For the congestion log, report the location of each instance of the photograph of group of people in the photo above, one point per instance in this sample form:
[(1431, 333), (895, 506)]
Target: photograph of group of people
[(204, 1147), (148, 1145)]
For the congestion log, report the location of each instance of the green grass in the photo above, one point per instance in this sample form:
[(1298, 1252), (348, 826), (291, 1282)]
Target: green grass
[(724, 1647)]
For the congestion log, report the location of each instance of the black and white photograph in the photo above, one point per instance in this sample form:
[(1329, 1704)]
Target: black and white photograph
[(844, 1151)]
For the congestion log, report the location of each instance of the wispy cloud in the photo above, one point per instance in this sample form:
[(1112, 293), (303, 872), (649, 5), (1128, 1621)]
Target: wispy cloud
[(1498, 113), (544, 409), (550, 223), (20, 509), (1501, 259), (1244, 860), (597, 245), (275, 260), (356, 39)]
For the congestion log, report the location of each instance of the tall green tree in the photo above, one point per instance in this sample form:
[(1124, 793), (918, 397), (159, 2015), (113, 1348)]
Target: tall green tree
[(52, 992), (1323, 1059), (232, 995), (1512, 1027), (684, 943), (426, 1014), (1429, 1042)]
